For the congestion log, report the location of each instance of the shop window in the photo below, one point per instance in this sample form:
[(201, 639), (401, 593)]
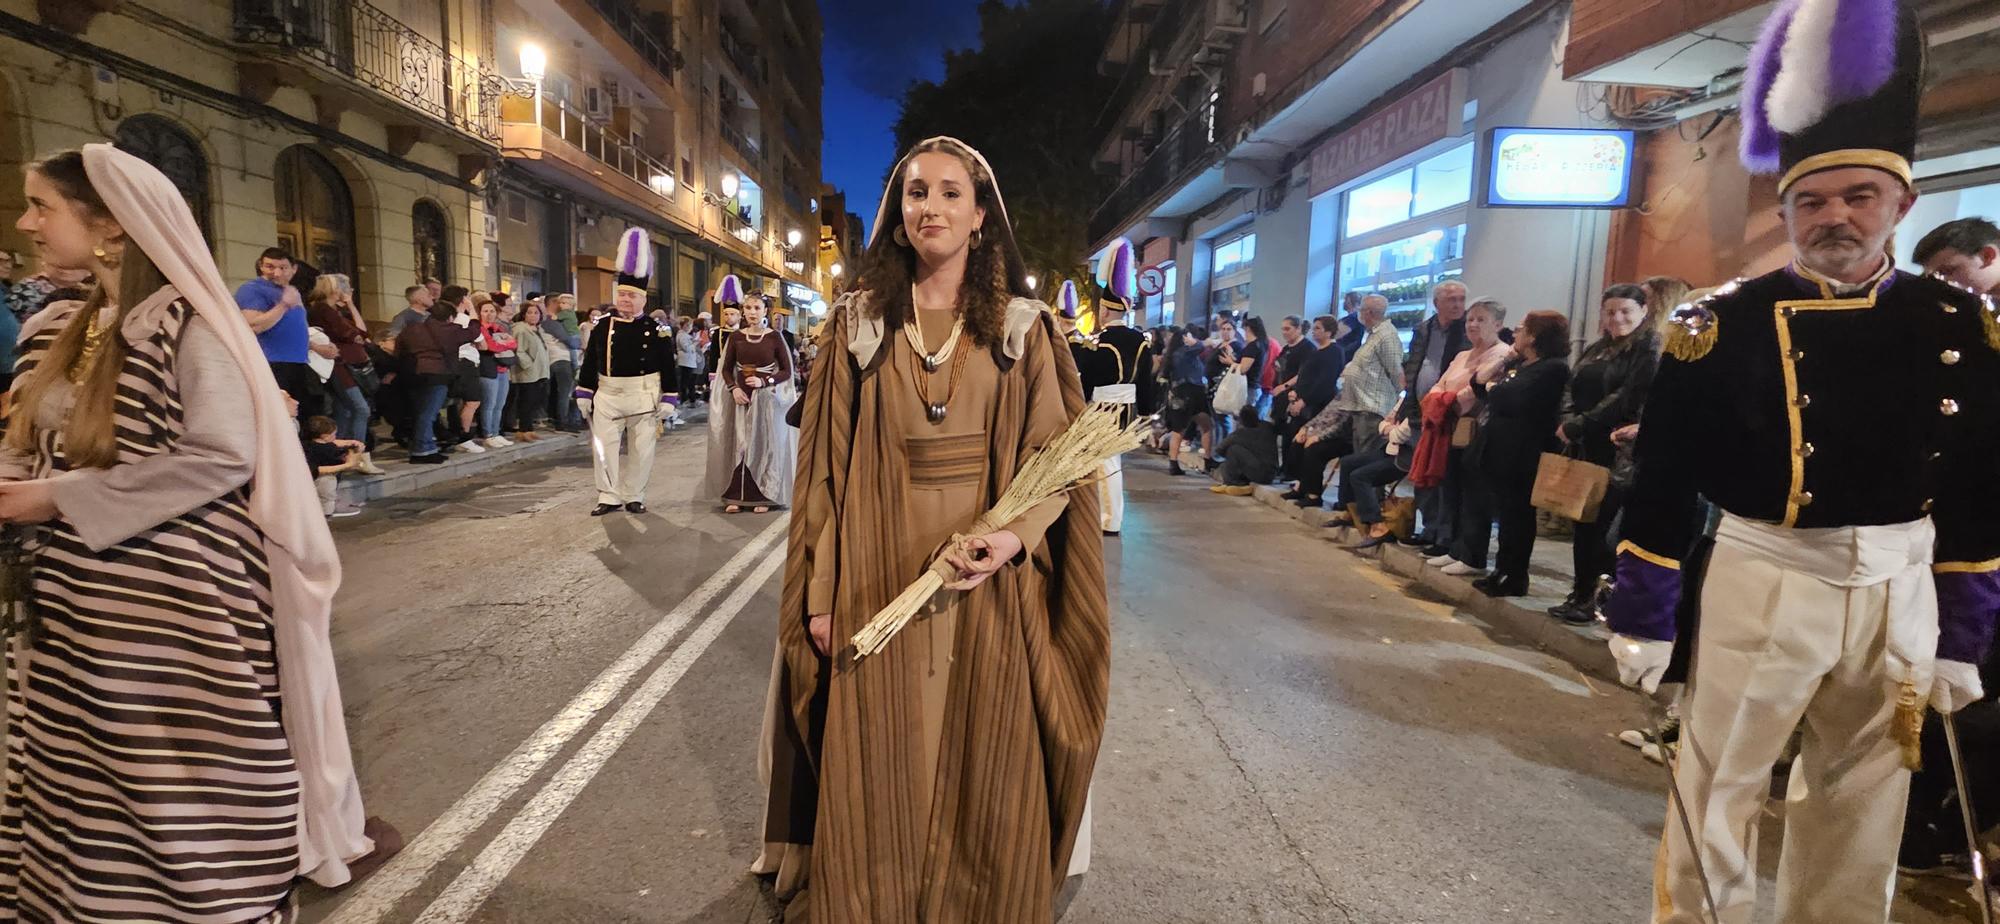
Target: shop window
[(1233, 256), (1403, 271), (1379, 204), (1438, 183), (1169, 296), (1444, 181)]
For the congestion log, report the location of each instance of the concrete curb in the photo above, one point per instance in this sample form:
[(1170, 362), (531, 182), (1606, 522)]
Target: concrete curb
[(1525, 618)]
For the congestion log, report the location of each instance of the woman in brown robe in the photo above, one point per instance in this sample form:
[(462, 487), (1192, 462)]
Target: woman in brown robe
[(943, 779)]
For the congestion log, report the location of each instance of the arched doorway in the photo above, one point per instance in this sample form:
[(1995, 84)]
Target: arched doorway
[(432, 234), (315, 212), (158, 141)]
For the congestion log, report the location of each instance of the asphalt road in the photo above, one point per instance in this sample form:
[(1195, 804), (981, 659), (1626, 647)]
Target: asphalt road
[(561, 714)]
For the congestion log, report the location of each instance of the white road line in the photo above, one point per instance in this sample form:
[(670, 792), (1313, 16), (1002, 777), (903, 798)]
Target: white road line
[(378, 895), (476, 884)]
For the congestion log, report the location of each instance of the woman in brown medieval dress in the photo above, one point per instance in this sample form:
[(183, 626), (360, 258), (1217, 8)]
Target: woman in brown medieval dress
[(751, 450), (944, 778)]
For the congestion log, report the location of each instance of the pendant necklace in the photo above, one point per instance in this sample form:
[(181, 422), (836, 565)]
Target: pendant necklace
[(934, 411)]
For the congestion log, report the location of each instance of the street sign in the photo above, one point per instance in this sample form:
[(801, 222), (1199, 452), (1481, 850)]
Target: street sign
[(1152, 280)]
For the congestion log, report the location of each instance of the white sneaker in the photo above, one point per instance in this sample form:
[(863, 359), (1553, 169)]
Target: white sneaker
[(1461, 569), (498, 442), (1440, 561), (472, 446)]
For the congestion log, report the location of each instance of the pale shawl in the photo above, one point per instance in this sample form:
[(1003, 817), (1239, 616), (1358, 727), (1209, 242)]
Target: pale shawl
[(305, 567)]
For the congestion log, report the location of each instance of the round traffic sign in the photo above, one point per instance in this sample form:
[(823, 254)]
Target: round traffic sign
[(1152, 280)]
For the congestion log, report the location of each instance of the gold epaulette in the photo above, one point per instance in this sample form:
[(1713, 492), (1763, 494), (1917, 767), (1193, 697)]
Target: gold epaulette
[(1692, 333), (1991, 322)]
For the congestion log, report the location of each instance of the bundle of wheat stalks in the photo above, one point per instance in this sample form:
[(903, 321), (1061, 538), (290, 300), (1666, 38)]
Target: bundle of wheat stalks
[(1073, 458)]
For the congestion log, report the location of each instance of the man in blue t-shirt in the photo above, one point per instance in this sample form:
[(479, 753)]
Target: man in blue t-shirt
[(277, 313)]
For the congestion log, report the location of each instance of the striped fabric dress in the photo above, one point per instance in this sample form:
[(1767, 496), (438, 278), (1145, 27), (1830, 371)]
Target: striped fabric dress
[(147, 776)]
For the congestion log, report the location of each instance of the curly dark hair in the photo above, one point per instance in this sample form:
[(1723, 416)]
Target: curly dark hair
[(1549, 332), (994, 273)]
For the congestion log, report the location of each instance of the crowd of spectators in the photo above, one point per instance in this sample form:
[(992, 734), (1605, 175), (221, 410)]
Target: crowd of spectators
[(1430, 436)]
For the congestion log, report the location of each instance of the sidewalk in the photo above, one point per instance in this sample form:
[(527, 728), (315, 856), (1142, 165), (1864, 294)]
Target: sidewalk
[(403, 478), (1526, 618)]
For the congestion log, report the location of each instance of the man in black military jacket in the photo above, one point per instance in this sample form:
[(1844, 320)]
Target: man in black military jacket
[(1121, 366), (1843, 416), (625, 384)]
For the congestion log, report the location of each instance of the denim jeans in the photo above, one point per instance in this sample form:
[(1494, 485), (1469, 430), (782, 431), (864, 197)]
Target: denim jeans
[(350, 413), (424, 419), (492, 401), (1362, 477)]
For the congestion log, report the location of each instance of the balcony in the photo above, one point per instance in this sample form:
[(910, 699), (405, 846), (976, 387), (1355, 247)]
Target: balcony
[(742, 142), (564, 147), (369, 47), (643, 31), (1183, 151), (746, 61)]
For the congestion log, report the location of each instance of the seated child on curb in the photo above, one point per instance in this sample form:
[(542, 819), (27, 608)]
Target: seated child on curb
[(329, 457)]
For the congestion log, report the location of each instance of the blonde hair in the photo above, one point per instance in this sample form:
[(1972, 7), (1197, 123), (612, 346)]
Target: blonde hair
[(328, 287), (1664, 296)]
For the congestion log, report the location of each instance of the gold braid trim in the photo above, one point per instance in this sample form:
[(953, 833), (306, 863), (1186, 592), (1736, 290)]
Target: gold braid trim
[(1687, 344), (1907, 728), (1991, 322)]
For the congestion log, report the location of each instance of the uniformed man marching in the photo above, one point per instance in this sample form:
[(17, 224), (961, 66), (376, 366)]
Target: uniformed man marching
[(1121, 367), (1843, 415), (624, 386), (1081, 349)]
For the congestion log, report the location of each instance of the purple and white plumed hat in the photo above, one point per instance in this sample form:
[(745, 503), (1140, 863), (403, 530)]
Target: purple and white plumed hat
[(1118, 276), (635, 259), (1833, 83)]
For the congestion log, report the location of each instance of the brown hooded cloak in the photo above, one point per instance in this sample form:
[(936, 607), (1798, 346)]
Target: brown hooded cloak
[(942, 779)]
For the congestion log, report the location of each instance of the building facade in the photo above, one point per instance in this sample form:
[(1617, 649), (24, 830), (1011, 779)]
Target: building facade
[(500, 144), (353, 134), (1273, 156)]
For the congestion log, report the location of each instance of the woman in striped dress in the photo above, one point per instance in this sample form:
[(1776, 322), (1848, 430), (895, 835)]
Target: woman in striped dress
[(149, 774)]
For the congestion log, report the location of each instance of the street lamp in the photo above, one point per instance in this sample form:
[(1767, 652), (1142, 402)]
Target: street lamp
[(793, 237), (730, 183), (835, 270), (534, 66), (1031, 282), (534, 62), (663, 184)]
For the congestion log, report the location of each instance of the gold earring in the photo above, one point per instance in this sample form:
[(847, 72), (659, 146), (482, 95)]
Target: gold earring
[(109, 259), (900, 236), (978, 237)]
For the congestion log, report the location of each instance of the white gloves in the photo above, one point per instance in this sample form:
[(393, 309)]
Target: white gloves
[(1956, 686), (1641, 661)]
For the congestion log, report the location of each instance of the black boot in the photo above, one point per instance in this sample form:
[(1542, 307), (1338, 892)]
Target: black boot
[(1497, 585), (1174, 468), (602, 509)]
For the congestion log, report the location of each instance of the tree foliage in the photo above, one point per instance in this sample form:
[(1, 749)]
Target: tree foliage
[(1028, 98)]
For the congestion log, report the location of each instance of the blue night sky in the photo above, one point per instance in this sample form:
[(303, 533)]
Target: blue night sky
[(874, 48)]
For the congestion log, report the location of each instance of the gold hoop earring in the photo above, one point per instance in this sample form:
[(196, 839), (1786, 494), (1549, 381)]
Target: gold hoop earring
[(109, 259), (901, 237), (978, 237)]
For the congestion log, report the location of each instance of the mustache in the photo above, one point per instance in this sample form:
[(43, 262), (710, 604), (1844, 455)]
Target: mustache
[(1833, 235)]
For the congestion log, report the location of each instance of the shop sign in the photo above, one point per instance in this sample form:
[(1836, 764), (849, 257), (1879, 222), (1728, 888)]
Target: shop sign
[(1433, 112), (796, 294), (1152, 281), (1575, 168)]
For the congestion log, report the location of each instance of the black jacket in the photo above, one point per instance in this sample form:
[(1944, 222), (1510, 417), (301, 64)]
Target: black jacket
[(1607, 388), (619, 348), (1319, 376), (1120, 356), (1522, 408), (1455, 343), (1802, 409)]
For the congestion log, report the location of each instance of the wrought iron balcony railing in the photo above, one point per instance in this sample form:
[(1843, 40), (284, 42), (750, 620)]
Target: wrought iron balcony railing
[(1185, 148), (372, 48), (741, 141), (643, 32), (594, 140)]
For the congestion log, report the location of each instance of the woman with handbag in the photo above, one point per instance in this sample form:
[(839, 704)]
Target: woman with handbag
[(331, 308), (1522, 406), (496, 363), (1451, 414), (1228, 388), (1606, 392), (534, 352)]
